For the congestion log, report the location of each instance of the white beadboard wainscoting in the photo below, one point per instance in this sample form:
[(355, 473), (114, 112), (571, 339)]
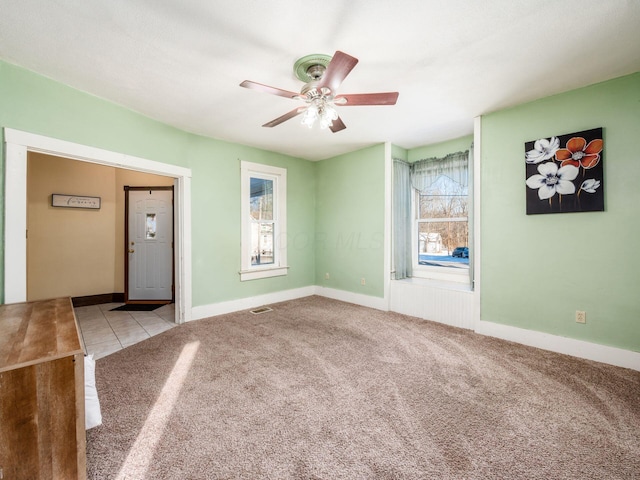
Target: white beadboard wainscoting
[(452, 304)]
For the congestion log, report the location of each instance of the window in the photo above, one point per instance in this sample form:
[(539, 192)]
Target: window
[(441, 218), (264, 225)]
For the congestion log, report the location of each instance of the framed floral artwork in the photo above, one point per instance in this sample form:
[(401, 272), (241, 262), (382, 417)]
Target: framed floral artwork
[(565, 173)]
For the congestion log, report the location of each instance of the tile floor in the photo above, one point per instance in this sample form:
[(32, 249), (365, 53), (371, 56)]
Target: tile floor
[(105, 332)]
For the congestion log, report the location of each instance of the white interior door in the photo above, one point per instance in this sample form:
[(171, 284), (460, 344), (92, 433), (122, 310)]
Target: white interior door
[(150, 244)]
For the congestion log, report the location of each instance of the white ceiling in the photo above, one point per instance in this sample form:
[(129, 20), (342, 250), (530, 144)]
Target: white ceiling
[(181, 61)]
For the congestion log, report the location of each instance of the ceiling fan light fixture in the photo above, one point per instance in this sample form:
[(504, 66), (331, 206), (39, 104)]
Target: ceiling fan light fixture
[(319, 111), (310, 116), (327, 116)]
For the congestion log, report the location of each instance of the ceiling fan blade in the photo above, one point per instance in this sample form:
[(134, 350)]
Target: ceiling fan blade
[(386, 98), (339, 67), (268, 89), (285, 117), (337, 125)]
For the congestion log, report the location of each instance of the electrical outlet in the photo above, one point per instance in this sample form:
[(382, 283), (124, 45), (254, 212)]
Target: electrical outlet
[(581, 317), (326, 276), (363, 281)]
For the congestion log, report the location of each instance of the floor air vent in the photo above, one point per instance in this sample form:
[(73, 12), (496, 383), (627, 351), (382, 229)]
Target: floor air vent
[(261, 310)]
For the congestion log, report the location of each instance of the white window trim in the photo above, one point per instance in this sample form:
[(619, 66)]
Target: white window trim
[(444, 274), (279, 267)]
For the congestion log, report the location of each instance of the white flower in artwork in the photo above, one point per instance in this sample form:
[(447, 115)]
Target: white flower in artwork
[(590, 185), (543, 149), (552, 180)]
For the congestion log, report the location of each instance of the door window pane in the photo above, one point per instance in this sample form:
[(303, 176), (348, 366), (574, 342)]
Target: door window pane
[(150, 226)]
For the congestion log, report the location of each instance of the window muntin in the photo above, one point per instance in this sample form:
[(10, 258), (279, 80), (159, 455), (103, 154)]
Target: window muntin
[(263, 206)]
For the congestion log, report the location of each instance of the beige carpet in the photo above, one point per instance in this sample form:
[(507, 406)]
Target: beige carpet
[(319, 389)]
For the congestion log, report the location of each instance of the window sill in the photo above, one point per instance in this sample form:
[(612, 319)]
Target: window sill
[(433, 283), (263, 273), (445, 275)]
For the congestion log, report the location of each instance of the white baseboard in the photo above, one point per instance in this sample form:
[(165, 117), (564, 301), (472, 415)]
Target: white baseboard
[(213, 309), (568, 346), (350, 297)]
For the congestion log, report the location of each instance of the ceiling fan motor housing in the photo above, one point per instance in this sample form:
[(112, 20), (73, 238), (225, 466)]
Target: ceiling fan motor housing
[(315, 72), (311, 67), (312, 90)]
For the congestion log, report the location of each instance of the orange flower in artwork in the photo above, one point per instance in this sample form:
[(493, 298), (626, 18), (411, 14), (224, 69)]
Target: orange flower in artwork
[(579, 154)]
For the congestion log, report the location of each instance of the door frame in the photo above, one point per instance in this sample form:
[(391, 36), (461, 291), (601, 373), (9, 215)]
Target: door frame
[(128, 189), (18, 143)]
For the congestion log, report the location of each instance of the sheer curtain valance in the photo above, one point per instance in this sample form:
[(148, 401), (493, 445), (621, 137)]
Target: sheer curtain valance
[(455, 166)]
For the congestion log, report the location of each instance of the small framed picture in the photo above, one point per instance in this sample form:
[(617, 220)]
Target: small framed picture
[(74, 201)]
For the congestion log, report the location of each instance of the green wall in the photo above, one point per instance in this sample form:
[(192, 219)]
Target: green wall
[(538, 270), (399, 153), (350, 221), (39, 105), (216, 222), (441, 149)]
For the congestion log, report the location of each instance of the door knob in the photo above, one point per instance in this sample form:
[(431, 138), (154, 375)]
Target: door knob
[(131, 251)]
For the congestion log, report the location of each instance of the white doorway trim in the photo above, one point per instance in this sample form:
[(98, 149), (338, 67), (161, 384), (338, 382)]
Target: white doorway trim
[(18, 143)]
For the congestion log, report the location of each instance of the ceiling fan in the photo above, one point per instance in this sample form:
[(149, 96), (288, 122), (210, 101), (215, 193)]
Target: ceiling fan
[(322, 75)]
